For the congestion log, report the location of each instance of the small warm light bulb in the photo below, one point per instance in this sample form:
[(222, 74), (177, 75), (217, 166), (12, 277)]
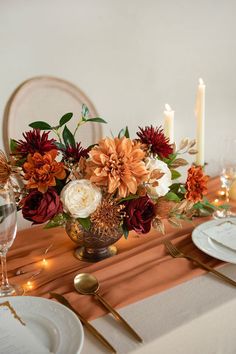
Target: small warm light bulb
[(216, 201), (29, 285), (45, 262)]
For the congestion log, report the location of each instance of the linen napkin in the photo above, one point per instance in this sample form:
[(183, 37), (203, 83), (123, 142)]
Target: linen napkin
[(223, 233)]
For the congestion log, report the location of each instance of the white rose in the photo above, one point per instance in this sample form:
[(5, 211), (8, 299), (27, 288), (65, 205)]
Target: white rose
[(80, 198), (164, 182)]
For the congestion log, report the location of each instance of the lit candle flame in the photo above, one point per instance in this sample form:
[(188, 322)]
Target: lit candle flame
[(168, 107), (201, 82)]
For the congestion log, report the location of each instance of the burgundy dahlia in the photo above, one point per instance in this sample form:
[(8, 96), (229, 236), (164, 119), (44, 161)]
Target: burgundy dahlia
[(74, 153), (140, 213), (41, 207), (34, 142), (156, 140)]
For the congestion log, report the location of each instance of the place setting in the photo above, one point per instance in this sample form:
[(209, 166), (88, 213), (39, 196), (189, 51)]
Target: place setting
[(97, 210)]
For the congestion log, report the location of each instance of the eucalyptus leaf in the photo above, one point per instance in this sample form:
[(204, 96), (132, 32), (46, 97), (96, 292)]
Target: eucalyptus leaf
[(66, 118), (40, 125), (68, 137)]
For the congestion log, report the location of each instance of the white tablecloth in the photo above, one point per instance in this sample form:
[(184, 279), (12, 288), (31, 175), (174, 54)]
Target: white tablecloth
[(196, 317)]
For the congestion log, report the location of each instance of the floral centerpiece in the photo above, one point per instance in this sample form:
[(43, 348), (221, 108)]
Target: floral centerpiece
[(104, 191)]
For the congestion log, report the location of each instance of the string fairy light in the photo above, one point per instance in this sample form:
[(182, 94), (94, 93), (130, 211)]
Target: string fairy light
[(29, 285)]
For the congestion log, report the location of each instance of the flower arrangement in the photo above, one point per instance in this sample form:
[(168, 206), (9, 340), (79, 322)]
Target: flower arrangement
[(119, 184)]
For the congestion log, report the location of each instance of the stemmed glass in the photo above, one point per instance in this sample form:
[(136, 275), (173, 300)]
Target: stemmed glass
[(7, 234), (227, 174)]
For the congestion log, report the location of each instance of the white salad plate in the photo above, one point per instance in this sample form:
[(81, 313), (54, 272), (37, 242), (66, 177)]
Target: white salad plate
[(209, 239), (53, 324)]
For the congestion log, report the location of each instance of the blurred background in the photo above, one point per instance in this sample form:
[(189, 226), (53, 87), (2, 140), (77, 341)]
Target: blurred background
[(130, 57)]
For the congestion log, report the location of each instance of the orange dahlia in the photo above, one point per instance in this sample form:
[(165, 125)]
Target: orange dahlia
[(118, 165), (41, 171), (196, 184)]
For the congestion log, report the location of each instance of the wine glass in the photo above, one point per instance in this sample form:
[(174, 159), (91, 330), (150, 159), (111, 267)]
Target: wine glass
[(227, 174), (7, 234)]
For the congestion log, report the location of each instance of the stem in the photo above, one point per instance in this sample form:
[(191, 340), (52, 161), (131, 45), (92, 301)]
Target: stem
[(58, 135), (227, 195), (81, 122), (227, 212), (5, 283)]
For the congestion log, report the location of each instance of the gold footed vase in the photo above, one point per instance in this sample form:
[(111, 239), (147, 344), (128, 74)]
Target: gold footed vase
[(92, 246)]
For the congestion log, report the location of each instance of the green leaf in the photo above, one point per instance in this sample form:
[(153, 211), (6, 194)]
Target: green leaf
[(64, 119), (85, 111), (121, 133), (170, 158), (130, 197), (91, 146), (175, 174), (85, 223), (57, 220), (13, 145), (60, 146), (198, 205), (40, 125), (68, 137), (21, 162), (124, 132), (175, 187), (125, 231), (172, 196), (97, 120), (182, 189), (127, 132)]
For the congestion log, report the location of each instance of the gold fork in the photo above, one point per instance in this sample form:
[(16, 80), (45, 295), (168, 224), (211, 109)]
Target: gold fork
[(176, 253)]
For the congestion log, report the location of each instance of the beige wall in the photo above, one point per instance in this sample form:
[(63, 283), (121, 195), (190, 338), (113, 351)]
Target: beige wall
[(130, 57)]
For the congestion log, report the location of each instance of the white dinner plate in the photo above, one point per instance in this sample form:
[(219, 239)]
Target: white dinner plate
[(58, 328), (210, 246)]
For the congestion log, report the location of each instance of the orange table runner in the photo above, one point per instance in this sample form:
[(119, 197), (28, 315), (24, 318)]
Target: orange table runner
[(141, 269)]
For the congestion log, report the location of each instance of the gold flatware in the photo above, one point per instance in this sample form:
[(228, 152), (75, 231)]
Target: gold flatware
[(90, 328), (87, 284), (176, 253)]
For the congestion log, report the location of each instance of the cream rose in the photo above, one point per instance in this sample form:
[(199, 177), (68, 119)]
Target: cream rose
[(164, 182), (80, 198)]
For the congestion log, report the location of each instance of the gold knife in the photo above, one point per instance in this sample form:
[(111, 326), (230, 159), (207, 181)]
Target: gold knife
[(90, 328)]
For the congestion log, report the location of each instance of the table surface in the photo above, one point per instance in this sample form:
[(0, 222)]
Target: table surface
[(163, 298)]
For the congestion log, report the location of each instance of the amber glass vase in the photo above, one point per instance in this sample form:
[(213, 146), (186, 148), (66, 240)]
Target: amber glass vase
[(92, 247)]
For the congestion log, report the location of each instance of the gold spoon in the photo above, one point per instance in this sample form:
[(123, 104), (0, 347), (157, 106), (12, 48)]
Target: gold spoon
[(87, 284)]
